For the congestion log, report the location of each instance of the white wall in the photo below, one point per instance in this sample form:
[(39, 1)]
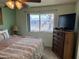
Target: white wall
[(77, 27), (47, 37), (1, 26), (61, 9), (78, 48)]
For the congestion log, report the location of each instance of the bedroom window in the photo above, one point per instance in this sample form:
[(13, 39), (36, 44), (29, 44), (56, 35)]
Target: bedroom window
[(41, 22)]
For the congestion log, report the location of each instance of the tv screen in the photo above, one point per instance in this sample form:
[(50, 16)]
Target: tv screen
[(67, 21)]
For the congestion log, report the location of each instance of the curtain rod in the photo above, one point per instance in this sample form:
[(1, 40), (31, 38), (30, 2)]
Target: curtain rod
[(39, 10)]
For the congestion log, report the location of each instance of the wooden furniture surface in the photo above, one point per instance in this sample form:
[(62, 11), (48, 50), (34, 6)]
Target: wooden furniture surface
[(63, 44)]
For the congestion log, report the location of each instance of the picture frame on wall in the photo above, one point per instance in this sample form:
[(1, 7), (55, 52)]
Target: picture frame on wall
[(1, 21)]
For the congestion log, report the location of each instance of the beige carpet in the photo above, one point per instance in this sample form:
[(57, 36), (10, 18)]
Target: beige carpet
[(48, 54)]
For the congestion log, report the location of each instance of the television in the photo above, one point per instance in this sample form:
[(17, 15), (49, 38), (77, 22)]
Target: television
[(67, 21)]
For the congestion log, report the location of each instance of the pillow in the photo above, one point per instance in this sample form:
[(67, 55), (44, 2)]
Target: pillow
[(1, 36), (6, 34)]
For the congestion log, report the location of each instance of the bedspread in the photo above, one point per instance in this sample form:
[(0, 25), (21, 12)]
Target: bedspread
[(26, 48)]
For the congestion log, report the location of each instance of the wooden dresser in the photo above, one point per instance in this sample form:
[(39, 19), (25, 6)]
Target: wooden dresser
[(63, 44)]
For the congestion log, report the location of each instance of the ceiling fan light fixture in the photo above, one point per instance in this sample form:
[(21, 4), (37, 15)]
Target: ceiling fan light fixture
[(10, 4), (18, 4)]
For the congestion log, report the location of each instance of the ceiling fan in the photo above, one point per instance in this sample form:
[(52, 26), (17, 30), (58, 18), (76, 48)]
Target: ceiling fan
[(19, 4)]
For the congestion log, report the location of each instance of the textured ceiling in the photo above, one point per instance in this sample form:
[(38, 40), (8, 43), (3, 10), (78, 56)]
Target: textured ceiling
[(46, 2)]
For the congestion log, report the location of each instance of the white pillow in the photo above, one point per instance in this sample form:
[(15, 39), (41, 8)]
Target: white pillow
[(6, 34), (1, 36)]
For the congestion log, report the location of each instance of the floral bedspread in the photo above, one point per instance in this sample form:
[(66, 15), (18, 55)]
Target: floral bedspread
[(27, 48)]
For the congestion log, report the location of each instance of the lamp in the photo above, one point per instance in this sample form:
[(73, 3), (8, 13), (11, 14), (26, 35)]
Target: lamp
[(14, 3), (15, 30)]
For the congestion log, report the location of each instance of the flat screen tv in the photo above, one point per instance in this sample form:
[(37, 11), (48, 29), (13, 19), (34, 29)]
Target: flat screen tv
[(67, 21)]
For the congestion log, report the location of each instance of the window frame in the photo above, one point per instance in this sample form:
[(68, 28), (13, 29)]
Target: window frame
[(40, 22)]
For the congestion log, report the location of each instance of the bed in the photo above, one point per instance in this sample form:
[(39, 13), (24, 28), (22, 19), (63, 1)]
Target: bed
[(21, 47)]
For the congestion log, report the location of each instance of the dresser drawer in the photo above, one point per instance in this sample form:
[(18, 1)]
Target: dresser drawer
[(56, 45), (58, 38), (58, 51), (58, 41)]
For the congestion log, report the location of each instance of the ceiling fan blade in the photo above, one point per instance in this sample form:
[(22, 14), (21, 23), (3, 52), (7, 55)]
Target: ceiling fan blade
[(33, 0), (38, 1)]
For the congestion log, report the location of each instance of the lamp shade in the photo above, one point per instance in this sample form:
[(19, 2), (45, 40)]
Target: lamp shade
[(10, 4), (15, 28), (18, 5)]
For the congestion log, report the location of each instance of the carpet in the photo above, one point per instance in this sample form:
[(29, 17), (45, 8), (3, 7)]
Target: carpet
[(48, 54)]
